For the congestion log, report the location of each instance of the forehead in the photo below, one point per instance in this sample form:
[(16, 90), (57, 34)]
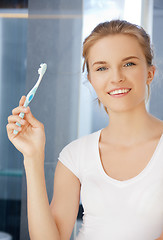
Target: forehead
[(115, 47)]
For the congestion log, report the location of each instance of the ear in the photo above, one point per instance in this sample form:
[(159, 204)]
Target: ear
[(151, 73)]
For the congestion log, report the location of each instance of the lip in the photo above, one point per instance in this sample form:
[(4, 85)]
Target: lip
[(117, 89)]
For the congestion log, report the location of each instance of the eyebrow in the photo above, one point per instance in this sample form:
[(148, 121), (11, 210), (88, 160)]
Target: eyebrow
[(124, 59), (99, 62), (127, 58)]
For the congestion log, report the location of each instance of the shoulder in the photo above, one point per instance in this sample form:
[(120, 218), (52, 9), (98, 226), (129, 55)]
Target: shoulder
[(81, 142), (160, 126), (156, 126), (75, 154)]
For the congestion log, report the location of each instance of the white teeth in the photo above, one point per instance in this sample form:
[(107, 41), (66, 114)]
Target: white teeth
[(119, 91)]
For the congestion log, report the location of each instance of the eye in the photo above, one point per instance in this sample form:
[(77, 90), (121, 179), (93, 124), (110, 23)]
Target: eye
[(129, 64), (102, 69)]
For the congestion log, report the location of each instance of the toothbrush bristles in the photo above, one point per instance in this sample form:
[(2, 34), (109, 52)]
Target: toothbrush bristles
[(42, 69)]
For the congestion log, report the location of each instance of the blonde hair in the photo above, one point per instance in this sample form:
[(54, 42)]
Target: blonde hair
[(118, 27)]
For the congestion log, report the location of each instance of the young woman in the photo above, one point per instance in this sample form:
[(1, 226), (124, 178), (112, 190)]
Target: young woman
[(118, 169)]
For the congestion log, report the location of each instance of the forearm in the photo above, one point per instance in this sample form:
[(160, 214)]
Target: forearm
[(40, 221)]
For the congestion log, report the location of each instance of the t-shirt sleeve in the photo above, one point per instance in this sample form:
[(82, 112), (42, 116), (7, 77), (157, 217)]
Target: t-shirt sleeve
[(69, 156)]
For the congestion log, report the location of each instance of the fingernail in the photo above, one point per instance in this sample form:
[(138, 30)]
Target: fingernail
[(22, 121)]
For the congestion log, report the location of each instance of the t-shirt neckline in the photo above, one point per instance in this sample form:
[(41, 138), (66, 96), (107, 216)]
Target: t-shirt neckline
[(130, 180)]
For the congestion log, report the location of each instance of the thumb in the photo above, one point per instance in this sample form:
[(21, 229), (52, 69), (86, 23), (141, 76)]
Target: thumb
[(31, 119)]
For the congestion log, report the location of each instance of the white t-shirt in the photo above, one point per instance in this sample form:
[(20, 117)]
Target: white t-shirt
[(113, 209)]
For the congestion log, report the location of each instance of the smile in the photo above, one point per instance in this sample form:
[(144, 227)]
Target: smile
[(120, 92)]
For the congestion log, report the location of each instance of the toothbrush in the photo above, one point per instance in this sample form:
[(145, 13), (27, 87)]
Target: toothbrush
[(30, 95)]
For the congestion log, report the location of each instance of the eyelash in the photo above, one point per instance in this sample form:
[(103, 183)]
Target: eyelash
[(100, 69), (131, 64)]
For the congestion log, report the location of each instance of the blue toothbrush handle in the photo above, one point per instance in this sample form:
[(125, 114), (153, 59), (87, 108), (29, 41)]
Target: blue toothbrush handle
[(31, 94), (22, 114), (18, 124)]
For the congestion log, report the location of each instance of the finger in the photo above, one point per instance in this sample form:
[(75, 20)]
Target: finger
[(19, 109), (32, 120), (22, 101), (16, 118), (11, 127)]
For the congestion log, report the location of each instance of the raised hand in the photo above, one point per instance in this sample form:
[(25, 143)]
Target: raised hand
[(30, 140)]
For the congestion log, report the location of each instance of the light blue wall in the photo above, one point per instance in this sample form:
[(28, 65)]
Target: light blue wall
[(54, 37), (13, 39), (156, 100)]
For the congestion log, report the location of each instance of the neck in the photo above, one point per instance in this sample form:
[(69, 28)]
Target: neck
[(129, 127)]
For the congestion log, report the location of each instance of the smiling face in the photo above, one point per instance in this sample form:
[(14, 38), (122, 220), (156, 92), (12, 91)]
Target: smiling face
[(118, 61)]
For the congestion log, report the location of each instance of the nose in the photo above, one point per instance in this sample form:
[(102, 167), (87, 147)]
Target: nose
[(117, 76)]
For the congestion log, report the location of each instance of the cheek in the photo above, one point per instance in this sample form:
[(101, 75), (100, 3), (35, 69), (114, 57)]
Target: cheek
[(141, 79), (96, 85), (98, 82)]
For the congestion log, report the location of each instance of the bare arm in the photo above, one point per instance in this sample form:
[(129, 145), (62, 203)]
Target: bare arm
[(40, 220), (53, 222), (57, 221), (65, 202)]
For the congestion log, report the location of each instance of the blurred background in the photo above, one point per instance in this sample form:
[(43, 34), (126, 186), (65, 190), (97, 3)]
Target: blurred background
[(52, 31)]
